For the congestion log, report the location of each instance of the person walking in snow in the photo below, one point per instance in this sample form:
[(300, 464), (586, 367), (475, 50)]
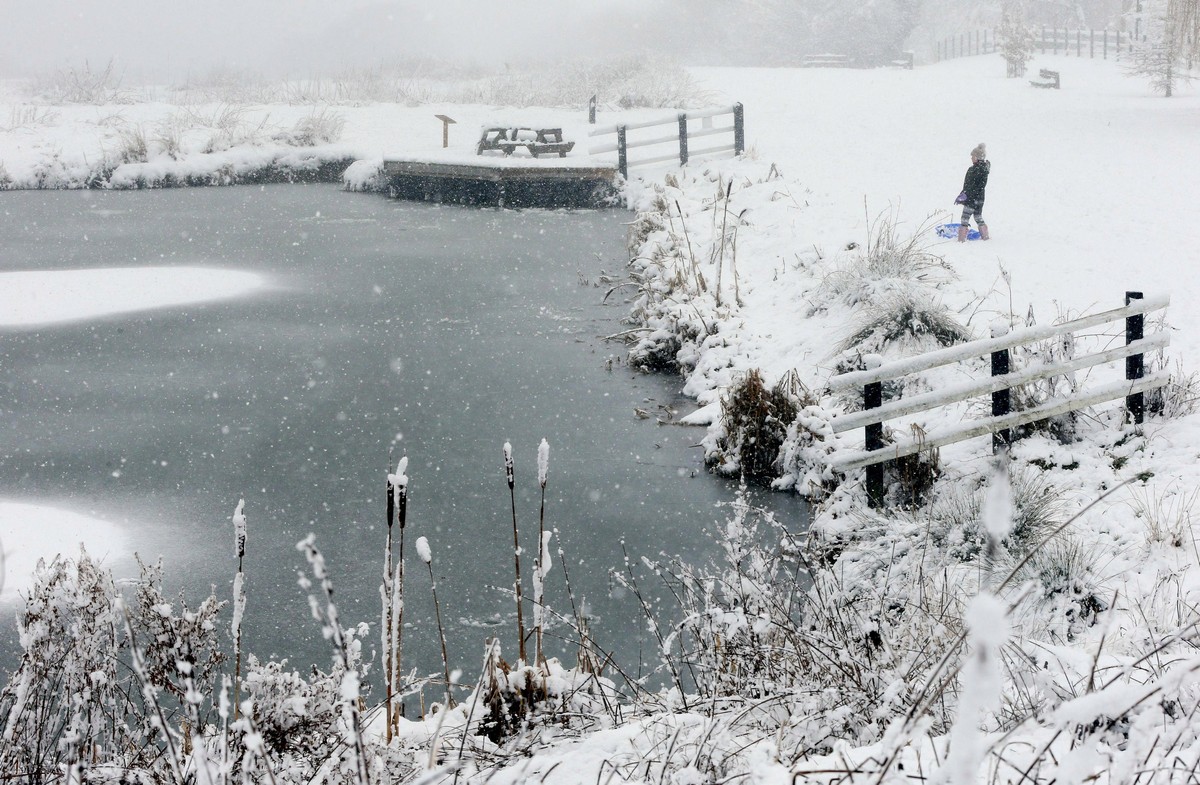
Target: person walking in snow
[(974, 185)]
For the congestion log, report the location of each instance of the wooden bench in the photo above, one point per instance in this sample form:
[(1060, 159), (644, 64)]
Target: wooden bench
[(536, 141), (827, 61), (1049, 79)]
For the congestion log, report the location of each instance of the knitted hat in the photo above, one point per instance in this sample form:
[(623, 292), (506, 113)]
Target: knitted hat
[(980, 152)]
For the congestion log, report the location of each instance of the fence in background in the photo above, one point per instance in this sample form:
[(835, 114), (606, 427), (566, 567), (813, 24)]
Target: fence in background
[(686, 126), (1048, 40), (1000, 424)]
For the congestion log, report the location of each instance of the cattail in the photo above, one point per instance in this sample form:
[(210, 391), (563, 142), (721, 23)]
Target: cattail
[(400, 482), (427, 557), (542, 564), (391, 591), (510, 476), (239, 600)]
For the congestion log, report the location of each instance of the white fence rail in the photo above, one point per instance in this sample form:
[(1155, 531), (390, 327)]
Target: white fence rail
[(999, 384), (684, 127)]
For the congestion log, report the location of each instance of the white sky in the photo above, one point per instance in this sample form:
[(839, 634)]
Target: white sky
[(174, 39)]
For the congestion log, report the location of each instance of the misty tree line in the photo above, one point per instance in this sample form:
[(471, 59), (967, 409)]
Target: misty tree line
[(872, 32)]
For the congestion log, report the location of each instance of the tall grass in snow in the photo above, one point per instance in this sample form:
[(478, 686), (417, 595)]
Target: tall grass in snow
[(509, 474), (426, 555), (327, 614), (239, 600), (542, 565)]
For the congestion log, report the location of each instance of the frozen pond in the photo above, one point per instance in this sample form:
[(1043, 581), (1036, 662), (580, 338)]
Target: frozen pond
[(385, 329)]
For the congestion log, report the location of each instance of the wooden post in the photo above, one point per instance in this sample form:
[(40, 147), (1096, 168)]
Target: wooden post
[(1001, 399), (1106, 43), (1078, 48), (1043, 40), (1135, 367), (739, 129), (592, 110), (873, 399), (683, 151), (1092, 45), (446, 123), (622, 153)]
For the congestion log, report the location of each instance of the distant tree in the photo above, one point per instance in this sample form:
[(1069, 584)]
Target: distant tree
[(1016, 39), (1162, 53)]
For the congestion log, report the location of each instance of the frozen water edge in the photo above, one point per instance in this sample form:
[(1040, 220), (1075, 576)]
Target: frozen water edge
[(32, 531)]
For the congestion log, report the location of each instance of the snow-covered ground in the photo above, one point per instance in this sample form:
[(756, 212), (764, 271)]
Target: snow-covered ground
[(1088, 199)]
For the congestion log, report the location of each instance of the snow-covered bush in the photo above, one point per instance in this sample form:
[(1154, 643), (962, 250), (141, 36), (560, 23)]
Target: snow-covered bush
[(754, 423), (804, 454), (955, 517)]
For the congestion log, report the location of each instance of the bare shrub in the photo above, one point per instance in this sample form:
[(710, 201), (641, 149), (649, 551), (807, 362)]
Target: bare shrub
[(83, 85)]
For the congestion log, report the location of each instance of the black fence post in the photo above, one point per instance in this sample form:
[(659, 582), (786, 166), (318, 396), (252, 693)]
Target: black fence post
[(683, 151), (1001, 399), (592, 110), (622, 153), (1135, 367), (739, 129), (873, 399)]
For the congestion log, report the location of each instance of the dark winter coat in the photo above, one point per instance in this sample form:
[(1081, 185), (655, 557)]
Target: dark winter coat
[(975, 183)]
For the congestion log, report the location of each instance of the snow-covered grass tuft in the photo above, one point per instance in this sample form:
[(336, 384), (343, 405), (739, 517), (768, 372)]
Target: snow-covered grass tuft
[(910, 321), (889, 263), (1167, 515), (320, 126)]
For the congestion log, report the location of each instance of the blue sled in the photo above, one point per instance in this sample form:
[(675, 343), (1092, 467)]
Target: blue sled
[(950, 232)]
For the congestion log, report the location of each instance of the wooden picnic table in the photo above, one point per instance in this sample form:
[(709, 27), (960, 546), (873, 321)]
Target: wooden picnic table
[(536, 141)]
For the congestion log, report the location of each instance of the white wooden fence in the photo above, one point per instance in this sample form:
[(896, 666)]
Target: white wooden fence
[(651, 140), (999, 384)]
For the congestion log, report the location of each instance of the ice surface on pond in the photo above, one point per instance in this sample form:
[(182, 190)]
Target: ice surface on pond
[(32, 298)]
